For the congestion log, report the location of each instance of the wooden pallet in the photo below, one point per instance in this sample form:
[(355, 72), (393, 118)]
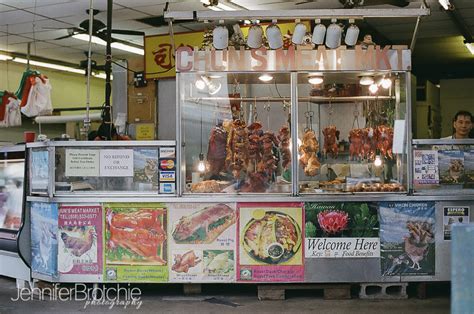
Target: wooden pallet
[(277, 291)]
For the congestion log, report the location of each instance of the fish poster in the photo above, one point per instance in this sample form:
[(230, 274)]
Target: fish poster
[(341, 230), (454, 215), (39, 171), (135, 242), (80, 242), (202, 241), (44, 244), (145, 168), (407, 235), (270, 237), (451, 166)]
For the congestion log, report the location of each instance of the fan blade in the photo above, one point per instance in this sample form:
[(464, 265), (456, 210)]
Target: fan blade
[(127, 32), (64, 37)]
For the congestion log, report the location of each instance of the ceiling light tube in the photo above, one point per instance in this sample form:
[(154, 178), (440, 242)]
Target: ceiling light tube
[(445, 4), (470, 47), (221, 6), (115, 45), (50, 65), (5, 57)]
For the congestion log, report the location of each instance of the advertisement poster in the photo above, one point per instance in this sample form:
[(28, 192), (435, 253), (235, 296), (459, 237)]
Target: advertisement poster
[(135, 242), (116, 163), (270, 238), (407, 235), (44, 244), (39, 170), (80, 240), (425, 167), (451, 166), (202, 242), (454, 215), (469, 168), (82, 163), (145, 168), (341, 230)]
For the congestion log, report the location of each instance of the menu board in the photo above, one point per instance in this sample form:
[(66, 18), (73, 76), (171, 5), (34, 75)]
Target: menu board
[(270, 237), (80, 241), (44, 244), (135, 247), (202, 242)]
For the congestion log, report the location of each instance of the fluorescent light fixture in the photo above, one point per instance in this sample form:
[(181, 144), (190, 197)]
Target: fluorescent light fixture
[(315, 79), (470, 47), (445, 4), (221, 6), (115, 45), (366, 80), (102, 76), (5, 57), (50, 65), (265, 77)]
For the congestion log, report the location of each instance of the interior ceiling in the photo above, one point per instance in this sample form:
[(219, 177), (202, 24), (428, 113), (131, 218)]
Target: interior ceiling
[(439, 52)]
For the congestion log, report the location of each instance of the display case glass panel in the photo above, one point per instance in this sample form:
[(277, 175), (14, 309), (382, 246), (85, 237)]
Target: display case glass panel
[(235, 130), (351, 132), (12, 173), (39, 171)]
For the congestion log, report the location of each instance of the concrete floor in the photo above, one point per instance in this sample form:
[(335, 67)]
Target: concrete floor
[(226, 299)]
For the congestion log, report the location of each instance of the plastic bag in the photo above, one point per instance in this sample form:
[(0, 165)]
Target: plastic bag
[(39, 99), (12, 114)]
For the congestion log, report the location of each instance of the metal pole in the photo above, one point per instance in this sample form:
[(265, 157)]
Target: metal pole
[(28, 56), (87, 121), (294, 133), (108, 69)]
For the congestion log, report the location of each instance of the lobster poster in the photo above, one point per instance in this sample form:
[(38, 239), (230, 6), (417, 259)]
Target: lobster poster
[(270, 237), (135, 242), (341, 230), (407, 235), (202, 242), (80, 242), (44, 244)]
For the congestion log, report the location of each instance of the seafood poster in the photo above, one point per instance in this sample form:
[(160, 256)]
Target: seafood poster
[(407, 235), (454, 215), (341, 230), (425, 167), (202, 242), (80, 241), (451, 166), (135, 242), (44, 244), (270, 237)]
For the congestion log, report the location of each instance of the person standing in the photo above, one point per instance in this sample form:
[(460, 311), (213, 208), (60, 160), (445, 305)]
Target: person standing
[(462, 125)]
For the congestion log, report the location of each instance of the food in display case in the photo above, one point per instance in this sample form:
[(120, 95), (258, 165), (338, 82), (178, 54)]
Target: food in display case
[(331, 135), (308, 149)]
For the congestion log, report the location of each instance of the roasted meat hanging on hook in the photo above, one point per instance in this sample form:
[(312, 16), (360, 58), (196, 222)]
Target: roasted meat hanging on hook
[(308, 150), (331, 135), (268, 164), (255, 145), (284, 138), (384, 136), (356, 147), (216, 152), (237, 149)]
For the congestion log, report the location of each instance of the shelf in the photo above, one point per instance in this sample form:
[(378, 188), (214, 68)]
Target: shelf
[(305, 98)]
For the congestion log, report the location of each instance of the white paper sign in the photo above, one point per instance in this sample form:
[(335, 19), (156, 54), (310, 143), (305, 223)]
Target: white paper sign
[(82, 163), (342, 247), (398, 137), (116, 163), (425, 167)]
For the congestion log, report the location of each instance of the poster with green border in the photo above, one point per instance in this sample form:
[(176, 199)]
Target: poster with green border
[(135, 242)]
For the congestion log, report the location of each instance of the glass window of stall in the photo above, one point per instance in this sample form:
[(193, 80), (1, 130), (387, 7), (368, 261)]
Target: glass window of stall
[(12, 173), (235, 131), (348, 123)]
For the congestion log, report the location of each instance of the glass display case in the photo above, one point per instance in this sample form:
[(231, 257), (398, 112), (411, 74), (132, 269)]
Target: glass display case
[(443, 166), (235, 132)]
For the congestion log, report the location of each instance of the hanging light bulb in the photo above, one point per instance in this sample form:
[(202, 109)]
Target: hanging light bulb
[(373, 88), (201, 164), (255, 36), (220, 36), (366, 80), (352, 34), (386, 83), (377, 161), (200, 84), (319, 32), (274, 37), (265, 77), (315, 79), (333, 35), (213, 87), (298, 33)]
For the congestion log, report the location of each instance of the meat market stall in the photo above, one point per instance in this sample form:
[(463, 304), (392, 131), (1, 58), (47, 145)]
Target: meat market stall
[(290, 165)]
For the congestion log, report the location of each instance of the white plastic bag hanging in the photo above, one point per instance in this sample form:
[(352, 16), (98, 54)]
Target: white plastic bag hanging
[(12, 114), (39, 99)]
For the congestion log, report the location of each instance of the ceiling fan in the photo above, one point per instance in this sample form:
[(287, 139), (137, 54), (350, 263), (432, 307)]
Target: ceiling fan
[(348, 4), (99, 29)]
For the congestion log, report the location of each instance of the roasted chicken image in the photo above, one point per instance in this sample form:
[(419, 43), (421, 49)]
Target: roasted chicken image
[(182, 263), (331, 135), (77, 246), (456, 169), (418, 241), (141, 232), (284, 139), (308, 150), (216, 152)]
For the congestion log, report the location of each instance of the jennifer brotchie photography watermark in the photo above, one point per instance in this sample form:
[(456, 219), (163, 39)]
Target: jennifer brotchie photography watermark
[(115, 295)]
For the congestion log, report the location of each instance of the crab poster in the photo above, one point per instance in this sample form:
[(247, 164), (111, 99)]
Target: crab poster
[(135, 242), (80, 241), (270, 237), (341, 230), (202, 241), (407, 235), (44, 244)]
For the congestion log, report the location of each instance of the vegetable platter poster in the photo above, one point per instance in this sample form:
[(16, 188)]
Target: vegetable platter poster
[(80, 241), (407, 235), (44, 244), (202, 241), (270, 237), (135, 242)]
